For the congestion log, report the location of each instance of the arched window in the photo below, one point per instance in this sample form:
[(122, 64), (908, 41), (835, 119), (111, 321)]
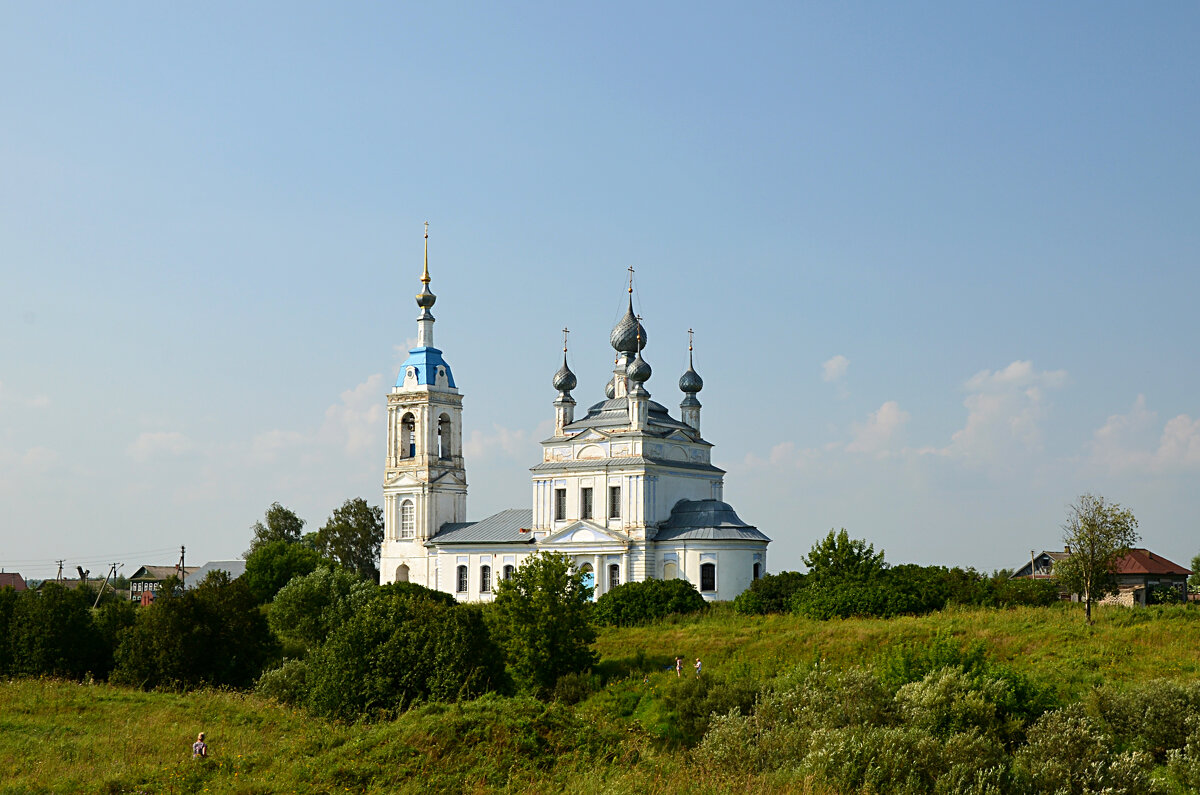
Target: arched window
[(402, 573), (589, 580), (757, 570), (485, 579), (614, 576), (508, 571), (408, 519), (462, 580), (708, 576), (670, 570), (408, 436), (444, 450)]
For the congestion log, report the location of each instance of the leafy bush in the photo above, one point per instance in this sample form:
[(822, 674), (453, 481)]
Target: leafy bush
[(1146, 716), (212, 635), (51, 632), (271, 565), (287, 684), (397, 650), (769, 594), (1184, 763), (649, 600), (310, 606), (1067, 753), (575, 687), (693, 701)]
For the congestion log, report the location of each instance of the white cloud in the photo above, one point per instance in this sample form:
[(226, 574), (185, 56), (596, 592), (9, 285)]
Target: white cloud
[(356, 424), (519, 443), (875, 435), (1127, 442), (835, 368), (1004, 413), (158, 444)]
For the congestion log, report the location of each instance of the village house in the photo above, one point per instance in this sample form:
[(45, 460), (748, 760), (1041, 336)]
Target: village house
[(12, 580), (1138, 574), (145, 581)]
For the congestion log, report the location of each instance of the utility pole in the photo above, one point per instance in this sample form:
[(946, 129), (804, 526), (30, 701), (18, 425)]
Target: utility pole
[(180, 566), (112, 570), (59, 577)]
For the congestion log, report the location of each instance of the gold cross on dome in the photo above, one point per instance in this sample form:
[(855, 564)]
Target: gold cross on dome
[(689, 339), (630, 278), (566, 331)]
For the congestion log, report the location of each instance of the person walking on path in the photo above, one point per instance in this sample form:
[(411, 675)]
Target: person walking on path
[(678, 667), (199, 748), (697, 667)]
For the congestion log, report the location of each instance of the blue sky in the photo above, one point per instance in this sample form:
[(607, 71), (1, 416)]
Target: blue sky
[(941, 259)]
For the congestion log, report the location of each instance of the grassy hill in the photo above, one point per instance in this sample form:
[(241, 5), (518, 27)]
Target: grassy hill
[(67, 737)]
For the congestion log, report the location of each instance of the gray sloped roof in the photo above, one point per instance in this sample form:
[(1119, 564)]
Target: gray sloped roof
[(614, 413), (607, 463), (500, 528), (706, 520), (234, 568)]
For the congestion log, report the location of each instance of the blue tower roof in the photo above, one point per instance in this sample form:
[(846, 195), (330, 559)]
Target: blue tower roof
[(426, 360)]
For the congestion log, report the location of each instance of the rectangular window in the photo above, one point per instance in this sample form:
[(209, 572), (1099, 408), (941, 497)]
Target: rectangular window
[(485, 579), (560, 504), (585, 503), (462, 579), (614, 576), (614, 502), (708, 576)]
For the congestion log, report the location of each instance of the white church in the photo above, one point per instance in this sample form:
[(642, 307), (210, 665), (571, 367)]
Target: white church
[(627, 491)]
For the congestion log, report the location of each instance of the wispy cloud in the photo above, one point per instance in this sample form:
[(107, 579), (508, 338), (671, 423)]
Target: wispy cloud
[(875, 436), (1005, 410), (151, 445), (1130, 442), (835, 369)]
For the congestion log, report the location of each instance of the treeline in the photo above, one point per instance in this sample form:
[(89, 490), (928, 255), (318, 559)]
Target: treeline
[(848, 578)]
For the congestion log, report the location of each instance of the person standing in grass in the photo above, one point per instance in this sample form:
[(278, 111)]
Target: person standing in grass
[(697, 667), (199, 748), (678, 667)]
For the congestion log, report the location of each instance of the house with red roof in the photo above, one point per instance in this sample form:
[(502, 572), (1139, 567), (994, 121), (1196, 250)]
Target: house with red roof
[(1139, 574), (10, 579)]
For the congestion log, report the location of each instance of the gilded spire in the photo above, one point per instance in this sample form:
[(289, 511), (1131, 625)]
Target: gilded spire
[(425, 275)]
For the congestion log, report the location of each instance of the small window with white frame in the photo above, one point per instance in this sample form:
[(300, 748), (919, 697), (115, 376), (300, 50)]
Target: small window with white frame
[(462, 580), (614, 502), (485, 579), (408, 519)]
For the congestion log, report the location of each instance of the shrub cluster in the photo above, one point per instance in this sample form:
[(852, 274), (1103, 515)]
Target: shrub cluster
[(963, 726), (651, 600), (848, 578)]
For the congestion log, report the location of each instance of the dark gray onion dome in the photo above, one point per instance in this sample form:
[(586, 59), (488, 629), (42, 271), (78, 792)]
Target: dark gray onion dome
[(610, 389), (691, 382), (564, 379), (425, 299), (639, 370), (624, 336)]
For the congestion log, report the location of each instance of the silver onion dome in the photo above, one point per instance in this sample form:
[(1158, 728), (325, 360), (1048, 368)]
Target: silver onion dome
[(564, 379), (691, 382), (639, 370), (610, 389), (624, 336)]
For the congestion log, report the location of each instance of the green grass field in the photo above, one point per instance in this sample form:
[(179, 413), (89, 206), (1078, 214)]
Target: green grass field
[(68, 737)]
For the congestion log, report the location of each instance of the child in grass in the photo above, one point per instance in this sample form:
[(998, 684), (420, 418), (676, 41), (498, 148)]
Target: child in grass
[(199, 748)]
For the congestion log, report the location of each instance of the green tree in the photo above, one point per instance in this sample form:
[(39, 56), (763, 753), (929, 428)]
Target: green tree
[(8, 602), (1194, 580), (398, 649), (52, 633), (352, 537), (274, 564), (541, 620), (839, 558), (311, 606), (278, 524), (212, 635), (1098, 533)]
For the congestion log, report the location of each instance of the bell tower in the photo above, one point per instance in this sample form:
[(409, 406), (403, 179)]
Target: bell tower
[(425, 481)]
